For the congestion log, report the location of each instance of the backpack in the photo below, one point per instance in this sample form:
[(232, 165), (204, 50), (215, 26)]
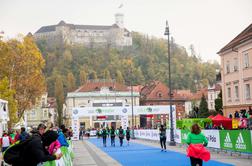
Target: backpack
[(112, 133), (121, 135), (12, 155)]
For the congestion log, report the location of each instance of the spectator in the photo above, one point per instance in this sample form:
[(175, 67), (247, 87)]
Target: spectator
[(230, 116), (236, 115), (35, 152), (5, 141), (23, 135)]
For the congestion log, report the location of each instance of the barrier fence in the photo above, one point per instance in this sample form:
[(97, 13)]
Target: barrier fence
[(234, 140), (66, 159)]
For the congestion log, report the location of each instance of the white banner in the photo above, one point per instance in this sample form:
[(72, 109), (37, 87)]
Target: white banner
[(137, 110), (178, 135), (124, 121), (213, 138), (76, 128), (152, 134)]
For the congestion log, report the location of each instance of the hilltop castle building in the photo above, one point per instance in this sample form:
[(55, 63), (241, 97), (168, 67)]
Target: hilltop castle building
[(88, 35)]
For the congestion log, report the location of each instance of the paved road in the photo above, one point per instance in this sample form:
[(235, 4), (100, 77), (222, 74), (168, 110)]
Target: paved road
[(145, 153), (87, 154)]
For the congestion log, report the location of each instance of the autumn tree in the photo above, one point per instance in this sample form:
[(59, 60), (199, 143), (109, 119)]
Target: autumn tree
[(59, 95), (93, 75), (70, 82), (83, 77), (22, 63), (106, 74), (119, 77), (8, 94)]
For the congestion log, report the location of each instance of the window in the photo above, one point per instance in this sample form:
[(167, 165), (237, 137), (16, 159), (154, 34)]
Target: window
[(211, 105), (236, 92), (235, 64), (229, 92), (45, 114), (246, 60), (247, 91), (228, 67)]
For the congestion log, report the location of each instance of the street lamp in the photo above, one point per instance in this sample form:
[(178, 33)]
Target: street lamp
[(132, 107), (167, 32)]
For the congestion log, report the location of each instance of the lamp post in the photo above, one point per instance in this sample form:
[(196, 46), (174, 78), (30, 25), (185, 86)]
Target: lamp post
[(167, 32), (132, 107)]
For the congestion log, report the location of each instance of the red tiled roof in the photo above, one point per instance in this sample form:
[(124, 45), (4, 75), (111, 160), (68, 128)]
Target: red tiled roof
[(199, 94), (136, 88), (96, 86), (148, 88), (244, 36)]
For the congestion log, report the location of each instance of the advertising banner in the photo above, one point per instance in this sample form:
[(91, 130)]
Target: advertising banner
[(236, 140), (76, 128), (184, 134), (178, 135), (213, 138), (124, 121)]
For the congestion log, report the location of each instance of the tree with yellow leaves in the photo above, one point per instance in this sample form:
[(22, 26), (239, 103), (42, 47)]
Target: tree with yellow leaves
[(22, 63), (70, 82), (8, 94)]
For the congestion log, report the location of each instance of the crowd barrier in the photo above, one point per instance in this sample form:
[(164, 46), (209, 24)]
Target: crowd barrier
[(66, 159), (234, 140)]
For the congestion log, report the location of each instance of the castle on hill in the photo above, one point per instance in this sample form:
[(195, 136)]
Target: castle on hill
[(115, 35)]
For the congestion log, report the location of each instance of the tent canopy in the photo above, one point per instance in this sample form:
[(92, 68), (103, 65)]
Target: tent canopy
[(211, 117), (220, 118)]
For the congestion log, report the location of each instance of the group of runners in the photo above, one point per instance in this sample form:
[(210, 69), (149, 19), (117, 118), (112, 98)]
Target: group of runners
[(104, 133)]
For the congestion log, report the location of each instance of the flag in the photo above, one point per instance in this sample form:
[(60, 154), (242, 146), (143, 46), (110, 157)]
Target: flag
[(120, 6)]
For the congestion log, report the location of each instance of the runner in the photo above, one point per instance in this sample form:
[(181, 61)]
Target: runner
[(104, 137), (162, 134), (112, 136), (196, 141), (128, 132), (121, 135)]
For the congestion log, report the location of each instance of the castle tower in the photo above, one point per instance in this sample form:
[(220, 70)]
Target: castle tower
[(119, 19)]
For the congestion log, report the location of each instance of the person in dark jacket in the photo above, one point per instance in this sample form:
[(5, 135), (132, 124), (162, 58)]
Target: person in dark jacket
[(128, 135), (35, 152), (104, 136), (162, 135), (121, 135), (112, 136), (23, 135)]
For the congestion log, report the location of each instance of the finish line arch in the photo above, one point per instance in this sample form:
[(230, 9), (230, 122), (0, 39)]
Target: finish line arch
[(124, 112)]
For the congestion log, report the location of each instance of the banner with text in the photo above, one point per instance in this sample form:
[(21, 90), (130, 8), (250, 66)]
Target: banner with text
[(236, 140)]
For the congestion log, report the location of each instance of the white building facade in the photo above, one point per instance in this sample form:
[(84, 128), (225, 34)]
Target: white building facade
[(213, 92), (100, 95), (43, 112), (4, 116)]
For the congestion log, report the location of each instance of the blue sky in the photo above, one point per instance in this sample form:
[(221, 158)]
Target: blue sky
[(207, 24)]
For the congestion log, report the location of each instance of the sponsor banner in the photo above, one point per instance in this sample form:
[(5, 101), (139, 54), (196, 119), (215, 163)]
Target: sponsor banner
[(154, 135), (76, 128), (93, 133), (184, 134), (124, 121), (138, 110), (213, 138), (236, 140), (178, 135)]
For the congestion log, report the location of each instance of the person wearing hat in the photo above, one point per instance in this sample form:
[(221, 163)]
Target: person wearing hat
[(35, 151)]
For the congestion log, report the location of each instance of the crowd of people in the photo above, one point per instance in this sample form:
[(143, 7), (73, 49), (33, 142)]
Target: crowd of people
[(41, 144), (107, 132)]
